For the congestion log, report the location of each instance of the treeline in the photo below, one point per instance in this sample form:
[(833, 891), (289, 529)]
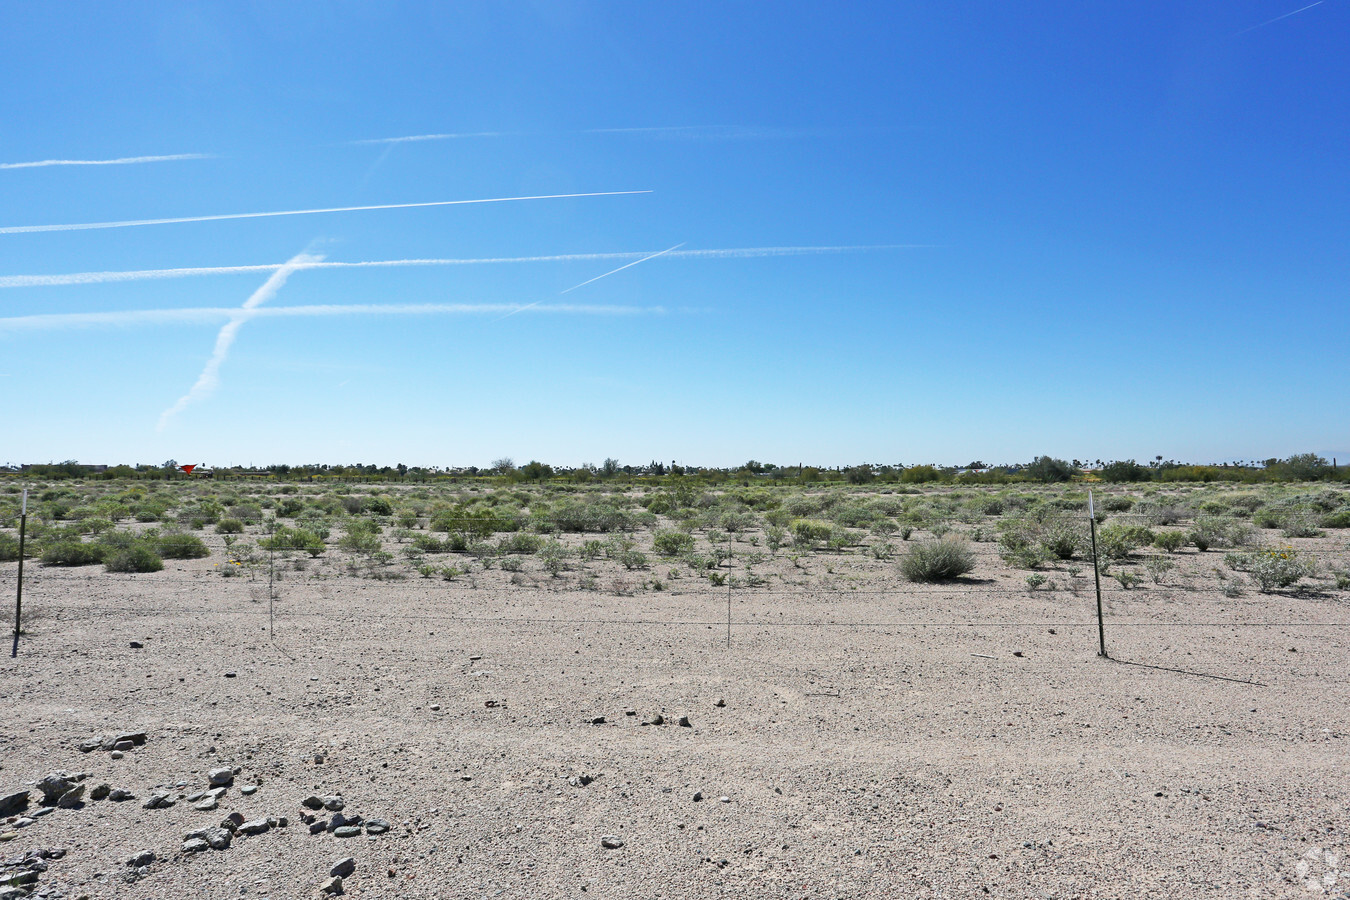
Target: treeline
[(1043, 469)]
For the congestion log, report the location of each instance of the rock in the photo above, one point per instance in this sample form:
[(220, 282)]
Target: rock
[(8, 835), (580, 780), (249, 790), (724, 799), (42, 811), (230, 675), (685, 723), (343, 868), (215, 837), (282, 822), (72, 798), (318, 827), (142, 859), (90, 745), (657, 719), (610, 842), (720, 702), (312, 802), (233, 821), (54, 786), (334, 802), (159, 800), (119, 794), (195, 845), (122, 746), (117, 754), (377, 826), (598, 720), (435, 707), (257, 826), (347, 831), (220, 777), (111, 741), (630, 712), (23, 822), (332, 885), (136, 645), (19, 879), (698, 795), (205, 805), (13, 804), (100, 792)]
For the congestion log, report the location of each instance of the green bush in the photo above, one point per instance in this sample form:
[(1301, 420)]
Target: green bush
[(1277, 567), (1119, 541), (229, 526), (72, 553), (293, 539), (1064, 538), (672, 543), (1170, 541), (521, 542), (9, 548), (181, 546), (937, 560), (137, 558), (1338, 519), (809, 532)]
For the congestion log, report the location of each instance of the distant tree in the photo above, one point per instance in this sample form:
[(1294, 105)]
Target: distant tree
[(609, 468), (1049, 469), (504, 465), (1128, 470)]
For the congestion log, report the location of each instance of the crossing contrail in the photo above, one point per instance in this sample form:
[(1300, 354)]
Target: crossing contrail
[(72, 278), (207, 315), (621, 268), (124, 161), (210, 377), (87, 226), (1276, 19)]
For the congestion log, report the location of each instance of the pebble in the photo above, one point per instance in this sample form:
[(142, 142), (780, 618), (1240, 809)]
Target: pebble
[(233, 821), (142, 859), (248, 790), (11, 804), (343, 868), (598, 720), (435, 707), (312, 802), (257, 826), (332, 885), (100, 792), (195, 845), (720, 702), (610, 842), (376, 826), (334, 802), (215, 837), (318, 827), (120, 794), (117, 754), (347, 831), (685, 723), (136, 645), (698, 795), (205, 805), (724, 799), (220, 777), (159, 800)]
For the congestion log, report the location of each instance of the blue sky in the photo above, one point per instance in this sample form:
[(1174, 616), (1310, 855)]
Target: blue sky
[(1091, 230)]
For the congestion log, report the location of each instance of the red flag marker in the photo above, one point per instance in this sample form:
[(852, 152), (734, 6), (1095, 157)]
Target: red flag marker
[(188, 469)]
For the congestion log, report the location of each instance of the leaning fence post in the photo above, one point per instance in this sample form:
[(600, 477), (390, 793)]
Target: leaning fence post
[(18, 592), (1097, 576)]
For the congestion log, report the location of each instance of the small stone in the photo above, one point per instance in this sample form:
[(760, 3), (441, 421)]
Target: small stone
[(100, 792), (249, 790), (71, 798), (123, 746), (332, 885), (257, 826), (42, 811), (23, 822), (347, 831), (698, 795), (12, 804), (159, 800), (229, 674), (376, 826), (142, 859), (216, 838), (195, 845), (220, 777), (318, 827), (685, 723), (117, 754), (435, 707), (136, 645), (206, 805), (20, 880), (136, 737), (312, 802), (334, 802), (610, 842), (343, 868), (54, 786), (720, 702), (233, 821), (318, 758), (90, 745), (724, 799), (8, 835), (657, 719), (630, 712), (598, 720), (120, 794), (282, 821)]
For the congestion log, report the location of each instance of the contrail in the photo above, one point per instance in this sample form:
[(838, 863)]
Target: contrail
[(1276, 19), (86, 226), (621, 268), (17, 281), (207, 315), (210, 377), (413, 138), (124, 161), (678, 132)]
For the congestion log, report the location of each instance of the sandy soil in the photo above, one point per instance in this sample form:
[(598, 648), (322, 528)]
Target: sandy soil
[(962, 741)]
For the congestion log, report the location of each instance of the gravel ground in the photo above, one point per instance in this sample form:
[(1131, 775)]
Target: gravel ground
[(965, 741)]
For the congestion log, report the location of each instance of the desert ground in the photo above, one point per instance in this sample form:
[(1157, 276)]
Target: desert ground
[(852, 734)]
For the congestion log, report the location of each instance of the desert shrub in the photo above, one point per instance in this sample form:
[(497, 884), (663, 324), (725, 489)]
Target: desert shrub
[(427, 543), (1119, 541), (1170, 541), (576, 516), (1268, 517), (937, 560), (285, 538), (9, 548), (136, 558), (181, 546), (360, 541), (290, 508), (1158, 567), (72, 553), (229, 526), (809, 532), (774, 535), (379, 506), (672, 543), (1274, 567), (1160, 513), (1035, 580), (1064, 538), (554, 557), (1338, 519), (249, 512), (633, 559), (737, 521), (521, 542), (1301, 522)]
